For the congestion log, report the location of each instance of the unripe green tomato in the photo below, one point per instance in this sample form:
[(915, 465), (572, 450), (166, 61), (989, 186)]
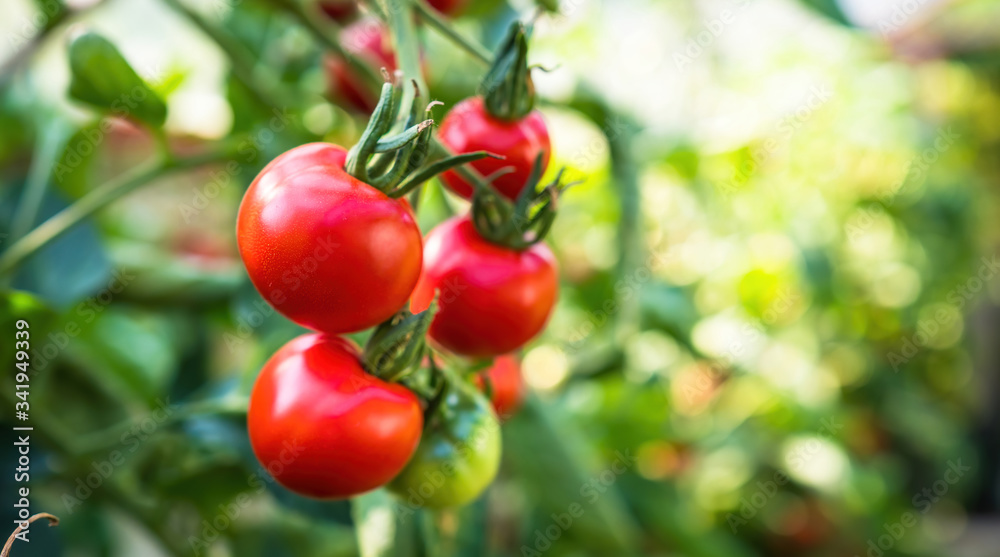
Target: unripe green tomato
[(458, 455)]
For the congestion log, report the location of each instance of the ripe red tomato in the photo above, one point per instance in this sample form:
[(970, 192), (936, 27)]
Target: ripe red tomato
[(367, 39), (468, 127), (325, 428), (326, 250), (448, 7), (507, 384), (339, 10), (493, 299)]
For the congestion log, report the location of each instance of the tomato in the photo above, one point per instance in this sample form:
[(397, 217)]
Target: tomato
[(339, 10), (448, 7), (469, 127), (326, 250), (493, 299), (506, 383), (325, 428), (458, 456), (366, 39)]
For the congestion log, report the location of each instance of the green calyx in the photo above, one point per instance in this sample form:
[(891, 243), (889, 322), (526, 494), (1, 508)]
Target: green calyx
[(397, 346), (394, 163), (526, 221), (507, 90)]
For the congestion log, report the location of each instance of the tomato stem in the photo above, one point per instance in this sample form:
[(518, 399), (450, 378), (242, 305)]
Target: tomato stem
[(323, 34), (404, 37), (397, 345), (440, 391), (387, 163), (525, 222), (260, 83), (430, 16)]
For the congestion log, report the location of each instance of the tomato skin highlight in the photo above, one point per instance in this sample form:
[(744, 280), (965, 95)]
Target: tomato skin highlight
[(367, 39), (507, 385), (493, 299), (323, 427), (458, 456), (468, 128), (328, 251)]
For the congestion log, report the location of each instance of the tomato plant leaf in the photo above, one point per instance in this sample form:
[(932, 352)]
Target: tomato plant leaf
[(102, 78)]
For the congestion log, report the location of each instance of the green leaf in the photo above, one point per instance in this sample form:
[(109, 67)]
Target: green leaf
[(129, 352), (170, 81), (549, 456), (548, 5), (15, 305), (101, 77), (72, 266), (830, 9), (161, 277), (664, 514), (72, 171), (289, 534)]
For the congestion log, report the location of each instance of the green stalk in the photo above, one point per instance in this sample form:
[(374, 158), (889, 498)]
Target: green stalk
[(242, 61), (150, 517), (469, 174), (630, 236), (108, 437), (329, 40), (94, 201), (49, 143), (632, 246), (430, 16), (404, 38)]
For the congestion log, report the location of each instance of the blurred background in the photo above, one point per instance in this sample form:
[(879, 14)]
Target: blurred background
[(777, 331)]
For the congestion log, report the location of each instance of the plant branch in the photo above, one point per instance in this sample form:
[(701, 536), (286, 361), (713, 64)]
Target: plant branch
[(620, 133), (469, 174), (98, 440), (96, 200), (328, 40), (430, 16), (404, 39), (53, 521), (48, 145), (242, 61)]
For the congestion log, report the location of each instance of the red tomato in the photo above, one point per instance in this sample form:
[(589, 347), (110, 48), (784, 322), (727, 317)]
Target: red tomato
[(325, 428), (493, 299), (507, 383), (448, 7), (367, 39), (339, 10), (326, 250), (468, 127)]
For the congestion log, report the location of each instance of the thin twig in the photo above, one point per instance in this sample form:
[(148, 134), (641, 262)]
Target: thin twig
[(242, 60), (430, 16), (53, 521), (94, 201), (329, 40)]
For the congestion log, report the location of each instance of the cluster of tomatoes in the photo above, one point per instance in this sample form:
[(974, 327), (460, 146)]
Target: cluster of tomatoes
[(330, 240)]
